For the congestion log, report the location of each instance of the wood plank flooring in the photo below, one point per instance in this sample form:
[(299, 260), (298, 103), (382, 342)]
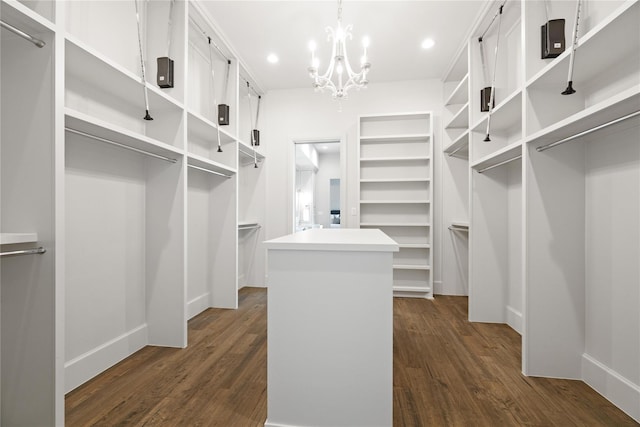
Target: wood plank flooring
[(447, 372)]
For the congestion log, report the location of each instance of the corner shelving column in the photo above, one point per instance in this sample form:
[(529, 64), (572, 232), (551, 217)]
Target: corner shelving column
[(213, 170), (395, 181), (455, 178), (582, 205), (31, 337), (251, 217), (125, 189), (496, 197)]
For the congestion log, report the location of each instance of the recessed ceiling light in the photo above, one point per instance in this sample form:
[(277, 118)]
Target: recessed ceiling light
[(272, 58), (428, 43)]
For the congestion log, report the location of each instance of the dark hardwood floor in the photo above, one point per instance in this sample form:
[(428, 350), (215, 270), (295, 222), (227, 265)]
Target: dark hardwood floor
[(447, 372)]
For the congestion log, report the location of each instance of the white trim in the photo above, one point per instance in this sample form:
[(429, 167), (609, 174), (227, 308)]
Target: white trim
[(514, 319), (198, 305), (86, 366), (614, 387)]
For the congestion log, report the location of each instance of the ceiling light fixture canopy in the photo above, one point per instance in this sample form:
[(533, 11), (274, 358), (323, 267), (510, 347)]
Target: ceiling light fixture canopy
[(339, 66)]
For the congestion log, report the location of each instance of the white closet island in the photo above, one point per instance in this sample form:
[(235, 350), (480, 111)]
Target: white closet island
[(330, 325)]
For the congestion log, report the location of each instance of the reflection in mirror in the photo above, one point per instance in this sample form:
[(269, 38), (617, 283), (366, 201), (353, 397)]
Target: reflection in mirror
[(317, 185)]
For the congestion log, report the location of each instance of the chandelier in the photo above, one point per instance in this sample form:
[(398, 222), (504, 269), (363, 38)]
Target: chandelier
[(339, 77)]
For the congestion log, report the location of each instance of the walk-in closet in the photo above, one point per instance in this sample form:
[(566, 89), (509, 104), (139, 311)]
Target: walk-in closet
[(481, 207)]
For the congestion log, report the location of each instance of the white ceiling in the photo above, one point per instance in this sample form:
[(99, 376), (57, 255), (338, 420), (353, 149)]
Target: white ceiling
[(395, 28)]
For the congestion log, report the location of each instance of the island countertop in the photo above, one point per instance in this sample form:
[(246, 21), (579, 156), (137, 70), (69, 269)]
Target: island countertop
[(344, 239)]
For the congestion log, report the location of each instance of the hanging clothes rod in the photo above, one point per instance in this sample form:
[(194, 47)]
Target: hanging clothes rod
[(492, 20), (28, 37), (586, 132), (453, 153), (220, 51), (36, 251), (249, 227), (209, 171), (117, 144), (499, 164), (459, 228)]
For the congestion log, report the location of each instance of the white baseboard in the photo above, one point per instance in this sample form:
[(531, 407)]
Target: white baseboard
[(268, 423), (198, 305), (613, 386), (514, 319), (88, 365)]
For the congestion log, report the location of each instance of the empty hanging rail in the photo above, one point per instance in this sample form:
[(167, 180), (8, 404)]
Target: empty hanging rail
[(28, 37), (35, 251), (586, 132), (209, 171), (117, 144)]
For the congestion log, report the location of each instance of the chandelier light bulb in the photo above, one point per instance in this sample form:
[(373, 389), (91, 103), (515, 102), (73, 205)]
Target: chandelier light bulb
[(312, 45), (365, 42)]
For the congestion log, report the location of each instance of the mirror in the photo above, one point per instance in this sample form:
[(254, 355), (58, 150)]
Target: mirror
[(317, 185)]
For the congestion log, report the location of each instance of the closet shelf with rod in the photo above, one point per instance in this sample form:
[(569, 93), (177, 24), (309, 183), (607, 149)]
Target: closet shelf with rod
[(459, 95), (459, 147), (96, 129), (246, 154), (202, 128), (615, 107), (248, 226), (462, 227), (506, 114), (206, 165), (500, 157), (461, 119)]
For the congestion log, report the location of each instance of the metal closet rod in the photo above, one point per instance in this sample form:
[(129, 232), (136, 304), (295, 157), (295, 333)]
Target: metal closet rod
[(249, 227), (209, 171), (36, 251), (117, 144), (220, 51), (499, 164), (452, 154), (586, 132), (458, 228), (28, 37)]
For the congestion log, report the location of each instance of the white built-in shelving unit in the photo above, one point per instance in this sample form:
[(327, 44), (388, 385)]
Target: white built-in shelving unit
[(553, 196), (395, 188), (115, 230)]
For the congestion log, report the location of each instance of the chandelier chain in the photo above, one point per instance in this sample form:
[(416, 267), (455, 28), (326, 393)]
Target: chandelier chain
[(339, 10)]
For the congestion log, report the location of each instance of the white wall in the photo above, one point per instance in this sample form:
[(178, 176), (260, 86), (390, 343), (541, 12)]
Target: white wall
[(613, 253), (303, 114), (328, 168)]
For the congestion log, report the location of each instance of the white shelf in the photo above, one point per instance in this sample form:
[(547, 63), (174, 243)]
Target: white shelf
[(395, 202), (414, 245), (16, 238), (396, 180), (460, 94), (394, 116), (392, 138), (459, 147), (101, 129), (245, 153), (606, 44), (395, 224), (420, 289), (505, 154), (461, 119), (461, 224), (506, 115), (204, 129), (209, 165), (392, 159), (94, 68), (410, 267), (615, 107)]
